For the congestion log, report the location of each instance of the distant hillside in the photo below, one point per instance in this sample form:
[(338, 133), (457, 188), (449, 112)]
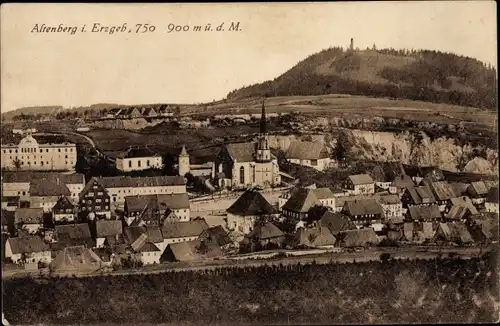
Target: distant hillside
[(417, 75), (43, 110)]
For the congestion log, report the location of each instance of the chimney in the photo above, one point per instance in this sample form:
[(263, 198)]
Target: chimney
[(352, 44)]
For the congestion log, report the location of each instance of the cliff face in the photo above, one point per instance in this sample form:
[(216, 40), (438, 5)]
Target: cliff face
[(127, 124)]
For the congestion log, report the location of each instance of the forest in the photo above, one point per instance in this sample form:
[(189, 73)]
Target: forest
[(444, 290), (431, 76)]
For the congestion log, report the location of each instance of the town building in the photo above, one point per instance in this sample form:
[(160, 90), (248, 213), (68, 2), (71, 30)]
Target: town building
[(18, 183), (477, 191), (264, 236), (424, 213), (364, 211), (11, 203), (110, 230), (73, 235), (45, 193), (245, 165), (456, 232), (335, 222), (391, 206), (75, 259), (29, 219), (360, 184), (137, 236), (421, 195), (23, 128), (312, 154), (156, 209), (63, 211), (94, 202), (30, 155), (183, 231), (364, 237), (302, 200), (196, 166), (191, 251), (442, 191), (491, 203), (27, 250), (316, 237), (81, 126), (417, 174), (385, 173), (249, 208), (138, 159), (217, 235)]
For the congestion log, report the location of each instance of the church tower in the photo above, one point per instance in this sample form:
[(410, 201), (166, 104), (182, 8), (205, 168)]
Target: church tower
[(183, 162), (263, 153)]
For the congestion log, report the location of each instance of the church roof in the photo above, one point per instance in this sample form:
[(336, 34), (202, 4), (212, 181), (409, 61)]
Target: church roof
[(241, 152)]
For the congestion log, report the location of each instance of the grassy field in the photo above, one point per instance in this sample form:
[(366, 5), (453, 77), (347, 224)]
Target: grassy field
[(394, 291)]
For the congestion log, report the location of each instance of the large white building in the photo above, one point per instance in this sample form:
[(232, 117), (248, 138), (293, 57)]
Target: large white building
[(30, 155), (312, 154), (246, 165), (137, 159)]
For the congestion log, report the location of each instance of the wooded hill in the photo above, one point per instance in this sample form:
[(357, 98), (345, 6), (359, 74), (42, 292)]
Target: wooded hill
[(423, 75)]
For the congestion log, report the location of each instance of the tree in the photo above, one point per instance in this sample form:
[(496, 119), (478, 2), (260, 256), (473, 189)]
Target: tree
[(17, 163)]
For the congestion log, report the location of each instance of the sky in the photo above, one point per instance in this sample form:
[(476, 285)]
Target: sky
[(39, 68)]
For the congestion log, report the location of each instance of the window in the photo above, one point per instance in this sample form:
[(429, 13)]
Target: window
[(71, 149), (106, 207), (10, 150), (129, 164), (242, 175), (83, 209), (41, 150), (98, 200), (66, 156), (147, 162), (314, 162), (139, 163), (65, 149), (16, 150), (47, 150)]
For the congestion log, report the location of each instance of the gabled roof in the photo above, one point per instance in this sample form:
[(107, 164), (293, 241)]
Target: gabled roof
[(28, 176), (362, 207), (459, 188), (148, 247), (492, 195), (73, 232), (336, 222), (131, 182), (466, 202), (251, 203), (75, 258), (149, 111), (323, 193), (389, 199), (28, 216), (136, 152), (480, 188), (241, 152), (306, 150), (403, 181), (455, 232), (421, 194), (184, 229), (430, 212), (456, 212), (442, 190), (48, 187), (157, 202), (106, 228), (358, 238), (27, 245), (218, 235), (63, 203), (361, 179), (192, 250), (152, 233), (314, 237), (265, 231), (301, 200), (91, 183)]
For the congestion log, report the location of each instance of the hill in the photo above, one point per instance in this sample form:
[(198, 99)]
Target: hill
[(423, 75)]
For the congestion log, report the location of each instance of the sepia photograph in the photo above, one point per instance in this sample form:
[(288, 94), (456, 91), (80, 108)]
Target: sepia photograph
[(305, 163)]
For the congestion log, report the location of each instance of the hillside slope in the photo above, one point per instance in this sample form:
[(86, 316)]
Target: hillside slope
[(418, 75)]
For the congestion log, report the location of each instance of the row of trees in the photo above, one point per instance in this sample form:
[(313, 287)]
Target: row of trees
[(388, 291)]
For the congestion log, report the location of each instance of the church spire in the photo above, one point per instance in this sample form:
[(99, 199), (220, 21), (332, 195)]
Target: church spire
[(263, 128)]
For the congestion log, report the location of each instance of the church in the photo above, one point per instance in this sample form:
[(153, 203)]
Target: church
[(248, 165)]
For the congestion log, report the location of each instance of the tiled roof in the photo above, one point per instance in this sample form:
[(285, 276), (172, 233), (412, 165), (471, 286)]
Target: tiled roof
[(336, 222), (153, 233), (48, 187), (183, 229), (241, 152), (323, 193), (492, 195), (266, 231), (131, 182), (28, 216), (63, 203), (250, 203), (27, 245), (442, 190), (75, 258), (71, 232), (456, 212), (218, 235), (307, 150), (137, 152), (389, 200), (301, 200), (459, 188), (424, 212), (314, 237), (402, 182), (106, 228), (190, 250), (466, 202), (358, 238), (363, 207), (480, 188), (421, 194), (157, 202), (361, 179), (148, 247), (28, 176)]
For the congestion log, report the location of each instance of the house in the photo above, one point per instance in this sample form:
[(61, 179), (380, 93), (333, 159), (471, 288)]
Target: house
[(75, 260), (81, 126), (22, 128), (148, 253), (363, 211), (11, 203), (94, 202), (312, 154), (421, 195), (385, 173), (132, 112), (7, 221), (149, 112), (247, 210), (392, 207), (417, 232), (138, 159), (478, 192), (155, 209), (27, 250), (460, 188), (443, 192), (217, 235), (63, 211), (29, 219), (45, 193), (263, 237), (18, 183), (191, 251), (302, 200), (316, 237), (453, 232), (31, 155), (183, 231), (417, 174), (463, 201), (424, 213), (73, 235), (357, 238), (491, 203), (164, 111), (151, 234), (119, 187), (400, 184), (105, 229), (360, 184), (335, 222)]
